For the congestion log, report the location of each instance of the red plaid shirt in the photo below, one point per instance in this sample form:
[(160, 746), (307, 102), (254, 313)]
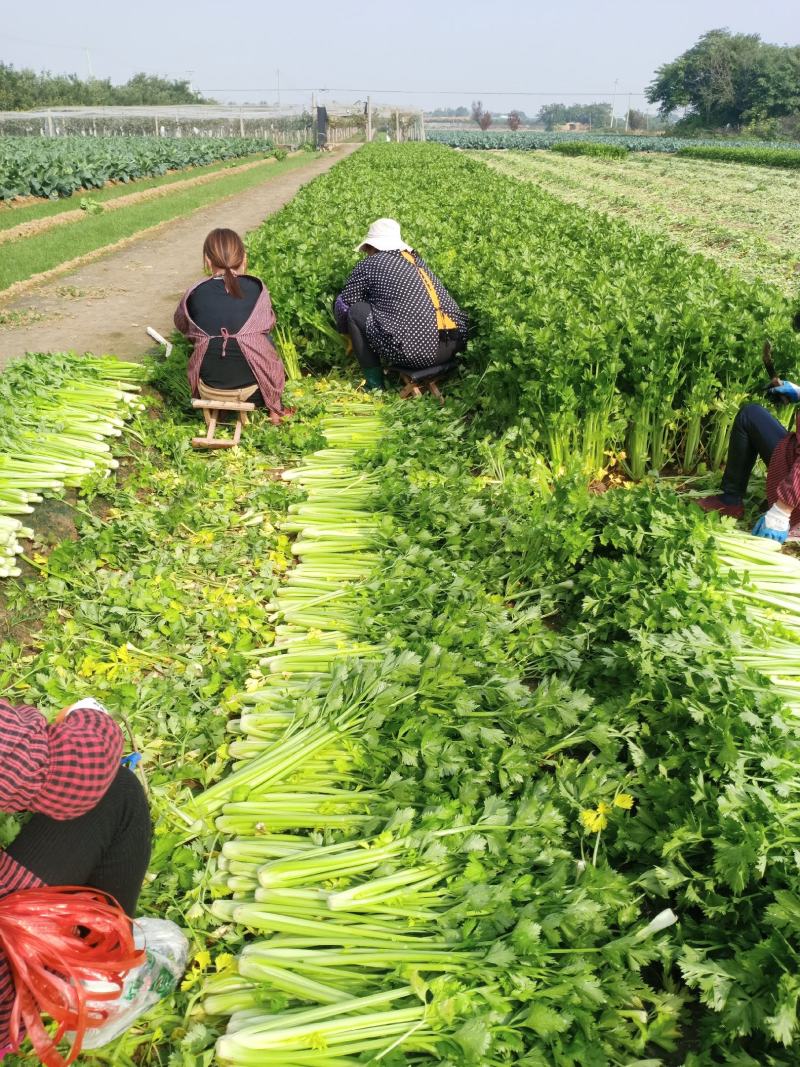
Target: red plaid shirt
[(59, 769), (783, 474)]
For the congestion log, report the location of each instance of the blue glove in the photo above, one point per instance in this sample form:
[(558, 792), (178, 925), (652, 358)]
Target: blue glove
[(787, 392), (132, 760), (774, 524)]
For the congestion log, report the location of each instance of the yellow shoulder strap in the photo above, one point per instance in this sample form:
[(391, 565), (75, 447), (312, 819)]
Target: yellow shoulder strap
[(443, 321)]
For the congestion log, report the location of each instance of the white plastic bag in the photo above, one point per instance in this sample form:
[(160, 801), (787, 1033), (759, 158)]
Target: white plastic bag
[(167, 951)]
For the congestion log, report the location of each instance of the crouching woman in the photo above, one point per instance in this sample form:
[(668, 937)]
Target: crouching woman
[(90, 824), (228, 318)]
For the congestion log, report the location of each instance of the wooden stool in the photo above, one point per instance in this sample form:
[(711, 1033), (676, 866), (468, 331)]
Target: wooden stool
[(212, 403), (423, 380)]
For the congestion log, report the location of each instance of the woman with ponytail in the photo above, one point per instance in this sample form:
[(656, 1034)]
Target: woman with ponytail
[(228, 318)]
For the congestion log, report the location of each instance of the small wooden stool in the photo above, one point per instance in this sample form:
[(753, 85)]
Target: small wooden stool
[(212, 403), (423, 380)]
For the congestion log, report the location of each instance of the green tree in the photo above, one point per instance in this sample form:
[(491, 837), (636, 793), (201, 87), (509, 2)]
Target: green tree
[(729, 79), (23, 89)]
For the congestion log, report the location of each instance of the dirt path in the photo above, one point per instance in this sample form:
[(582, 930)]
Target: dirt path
[(105, 305)]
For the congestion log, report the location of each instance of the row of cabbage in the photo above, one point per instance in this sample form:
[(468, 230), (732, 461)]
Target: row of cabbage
[(587, 335), (58, 166), (530, 139)]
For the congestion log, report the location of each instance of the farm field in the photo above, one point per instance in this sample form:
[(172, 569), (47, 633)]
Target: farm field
[(530, 140), (103, 303), (741, 216), (469, 741), (58, 167), (28, 256), (15, 213)]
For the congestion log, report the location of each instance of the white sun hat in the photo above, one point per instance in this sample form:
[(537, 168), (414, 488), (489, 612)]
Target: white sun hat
[(384, 234)]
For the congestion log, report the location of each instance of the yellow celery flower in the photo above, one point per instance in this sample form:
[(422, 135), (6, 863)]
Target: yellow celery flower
[(200, 962), (623, 800), (596, 819)]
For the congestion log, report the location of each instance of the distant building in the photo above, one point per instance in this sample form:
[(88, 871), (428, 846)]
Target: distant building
[(574, 127)]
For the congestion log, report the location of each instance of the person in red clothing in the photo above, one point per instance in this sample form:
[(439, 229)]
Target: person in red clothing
[(90, 824), (228, 318), (756, 432)]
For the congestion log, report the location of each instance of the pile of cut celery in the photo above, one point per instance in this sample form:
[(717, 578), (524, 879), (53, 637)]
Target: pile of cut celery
[(56, 413)]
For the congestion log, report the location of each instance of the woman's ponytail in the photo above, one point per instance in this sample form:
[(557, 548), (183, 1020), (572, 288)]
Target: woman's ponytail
[(224, 250), (232, 286)]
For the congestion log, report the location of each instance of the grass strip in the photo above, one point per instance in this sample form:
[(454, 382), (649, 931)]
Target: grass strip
[(755, 156), (15, 213), (34, 255), (736, 214)]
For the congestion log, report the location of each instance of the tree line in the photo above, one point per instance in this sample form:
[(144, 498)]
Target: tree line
[(724, 81), (732, 80), (595, 116), (23, 89)]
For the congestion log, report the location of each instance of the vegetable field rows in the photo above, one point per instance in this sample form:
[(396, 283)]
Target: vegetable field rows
[(56, 167), (472, 787), (735, 216), (467, 844), (752, 155), (533, 139), (152, 608), (589, 336), (454, 760)]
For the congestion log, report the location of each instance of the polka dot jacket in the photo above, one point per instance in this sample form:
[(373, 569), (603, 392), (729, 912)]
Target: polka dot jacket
[(402, 327)]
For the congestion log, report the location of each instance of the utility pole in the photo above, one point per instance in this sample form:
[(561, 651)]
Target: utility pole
[(89, 64), (278, 76), (628, 115), (614, 101), (422, 125), (369, 119), (397, 126), (314, 119)]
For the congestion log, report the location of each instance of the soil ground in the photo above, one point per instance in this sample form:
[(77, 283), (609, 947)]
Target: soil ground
[(105, 305)]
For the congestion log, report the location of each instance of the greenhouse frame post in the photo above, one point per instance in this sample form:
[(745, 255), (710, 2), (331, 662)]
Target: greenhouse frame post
[(397, 126), (369, 119)]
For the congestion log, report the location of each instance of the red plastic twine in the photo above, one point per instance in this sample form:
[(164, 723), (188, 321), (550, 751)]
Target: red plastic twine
[(55, 939)]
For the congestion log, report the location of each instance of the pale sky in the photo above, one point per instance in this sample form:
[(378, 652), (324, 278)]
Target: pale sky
[(417, 52)]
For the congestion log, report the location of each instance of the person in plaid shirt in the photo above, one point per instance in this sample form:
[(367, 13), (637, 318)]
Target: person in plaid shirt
[(756, 432), (90, 824)]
